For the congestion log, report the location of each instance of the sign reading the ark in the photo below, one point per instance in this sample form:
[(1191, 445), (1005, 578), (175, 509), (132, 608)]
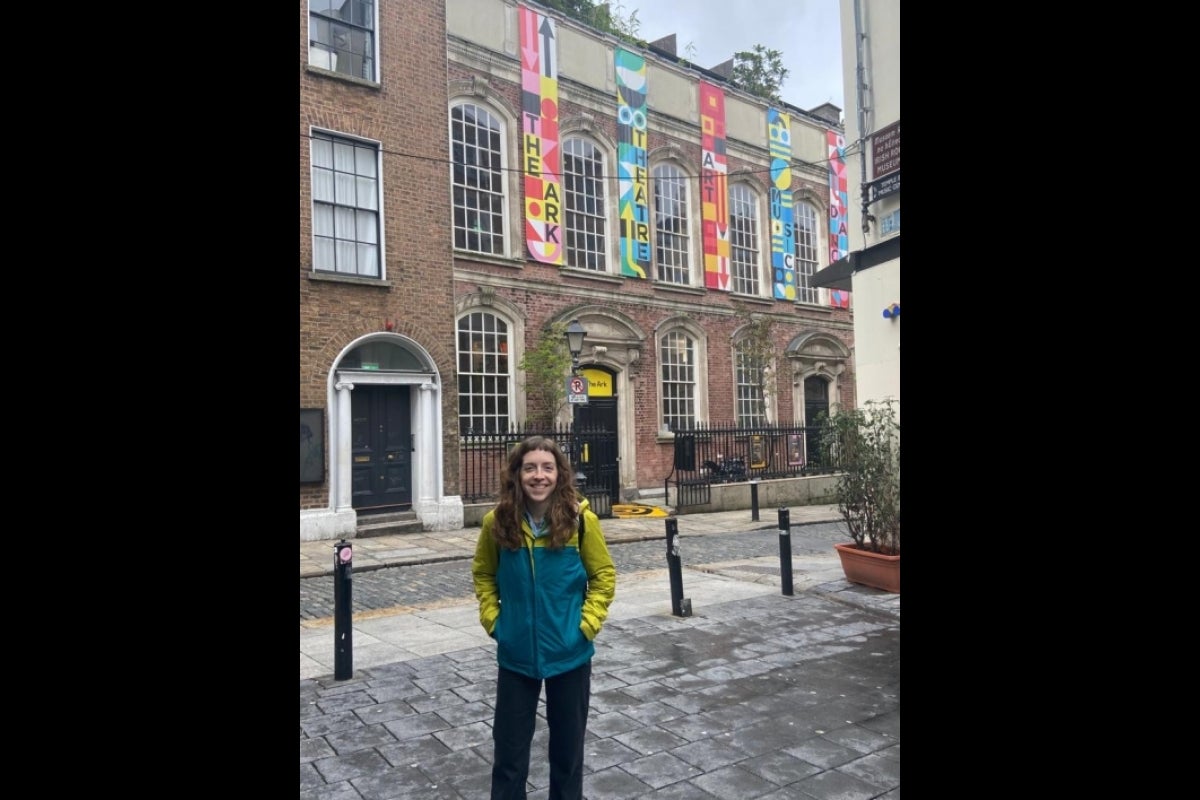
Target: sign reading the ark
[(599, 382)]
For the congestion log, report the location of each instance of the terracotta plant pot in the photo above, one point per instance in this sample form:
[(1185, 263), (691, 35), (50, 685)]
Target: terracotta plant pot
[(870, 569)]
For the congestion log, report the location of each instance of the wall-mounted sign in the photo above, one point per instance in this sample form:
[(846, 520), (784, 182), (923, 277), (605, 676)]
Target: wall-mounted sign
[(885, 151), (577, 389), (599, 382), (884, 187)]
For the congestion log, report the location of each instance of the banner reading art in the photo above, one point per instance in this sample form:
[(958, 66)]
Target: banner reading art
[(633, 183), (540, 156), (783, 233), (714, 188), (839, 236)]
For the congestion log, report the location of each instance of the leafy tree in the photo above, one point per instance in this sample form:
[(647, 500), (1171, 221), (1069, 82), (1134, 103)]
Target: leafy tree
[(607, 17), (546, 368), (759, 71)]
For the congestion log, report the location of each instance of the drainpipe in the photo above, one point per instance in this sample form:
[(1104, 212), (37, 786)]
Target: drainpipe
[(860, 85)]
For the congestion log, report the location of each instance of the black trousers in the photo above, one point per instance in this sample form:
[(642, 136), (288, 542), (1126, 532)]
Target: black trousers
[(567, 699)]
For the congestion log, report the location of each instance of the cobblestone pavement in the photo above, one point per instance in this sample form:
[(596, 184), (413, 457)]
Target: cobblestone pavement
[(767, 697), (447, 580)]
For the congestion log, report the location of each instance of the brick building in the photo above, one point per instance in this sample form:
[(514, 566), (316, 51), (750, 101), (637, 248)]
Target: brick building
[(674, 216)]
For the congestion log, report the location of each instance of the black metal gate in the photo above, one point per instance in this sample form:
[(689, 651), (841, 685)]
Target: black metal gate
[(693, 487)]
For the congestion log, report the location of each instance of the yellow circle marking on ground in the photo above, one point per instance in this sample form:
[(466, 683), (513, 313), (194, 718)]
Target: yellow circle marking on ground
[(623, 510)]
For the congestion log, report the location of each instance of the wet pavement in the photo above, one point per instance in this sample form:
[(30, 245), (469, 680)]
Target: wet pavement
[(755, 694)]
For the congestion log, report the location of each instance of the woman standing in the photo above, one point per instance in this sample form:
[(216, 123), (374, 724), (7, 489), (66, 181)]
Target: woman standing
[(544, 579)]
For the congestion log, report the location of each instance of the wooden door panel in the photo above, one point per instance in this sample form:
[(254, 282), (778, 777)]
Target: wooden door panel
[(381, 447)]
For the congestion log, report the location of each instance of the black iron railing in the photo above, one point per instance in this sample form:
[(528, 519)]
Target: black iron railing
[(704, 455), (591, 450), (708, 454)]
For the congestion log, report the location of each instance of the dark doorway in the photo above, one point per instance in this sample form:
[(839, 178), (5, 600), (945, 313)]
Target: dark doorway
[(816, 403), (598, 434), (381, 449)]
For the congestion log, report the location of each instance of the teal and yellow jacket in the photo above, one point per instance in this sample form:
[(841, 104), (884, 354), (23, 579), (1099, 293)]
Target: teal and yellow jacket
[(532, 600)]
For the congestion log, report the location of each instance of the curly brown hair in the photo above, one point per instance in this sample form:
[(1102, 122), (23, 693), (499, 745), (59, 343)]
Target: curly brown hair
[(562, 514)]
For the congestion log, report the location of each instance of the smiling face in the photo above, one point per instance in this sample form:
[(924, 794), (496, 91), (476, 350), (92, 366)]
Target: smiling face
[(539, 476)]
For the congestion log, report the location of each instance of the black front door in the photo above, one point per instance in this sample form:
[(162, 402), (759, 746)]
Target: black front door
[(381, 448), (600, 461)]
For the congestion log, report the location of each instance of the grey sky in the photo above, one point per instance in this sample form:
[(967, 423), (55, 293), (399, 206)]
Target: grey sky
[(806, 32)]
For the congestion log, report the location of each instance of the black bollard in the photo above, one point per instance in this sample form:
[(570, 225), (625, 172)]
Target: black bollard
[(343, 639), (679, 606), (785, 550), (754, 500)]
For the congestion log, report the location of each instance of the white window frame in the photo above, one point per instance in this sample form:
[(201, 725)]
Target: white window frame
[(699, 368), (594, 255), (498, 185), (745, 240), (339, 189), (750, 399), (324, 55), (465, 369), (808, 255), (671, 273)]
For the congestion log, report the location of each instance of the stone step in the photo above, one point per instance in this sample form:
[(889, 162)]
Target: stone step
[(388, 524)]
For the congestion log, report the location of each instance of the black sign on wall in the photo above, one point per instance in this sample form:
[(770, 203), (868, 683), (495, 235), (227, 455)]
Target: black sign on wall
[(877, 190)]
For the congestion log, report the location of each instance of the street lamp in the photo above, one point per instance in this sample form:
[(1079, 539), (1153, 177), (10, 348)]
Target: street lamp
[(575, 335)]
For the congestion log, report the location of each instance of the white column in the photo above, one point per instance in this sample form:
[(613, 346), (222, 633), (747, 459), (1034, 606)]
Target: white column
[(343, 500), (427, 485)]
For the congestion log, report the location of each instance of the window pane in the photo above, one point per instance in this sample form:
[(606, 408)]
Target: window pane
[(743, 239), (677, 357), (483, 380), (806, 251), (751, 377), (477, 180), (345, 206), (583, 189), (323, 221), (341, 36), (671, 242)]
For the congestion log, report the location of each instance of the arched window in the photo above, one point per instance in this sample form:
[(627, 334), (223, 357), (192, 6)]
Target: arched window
[(583, 192), (479, 195), (677, 355), (750, 381), (744, 249), (807, 247), (485, 385), (671, 241)]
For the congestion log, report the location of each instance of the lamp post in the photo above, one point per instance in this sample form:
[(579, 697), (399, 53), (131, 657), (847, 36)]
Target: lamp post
[(575, 335)]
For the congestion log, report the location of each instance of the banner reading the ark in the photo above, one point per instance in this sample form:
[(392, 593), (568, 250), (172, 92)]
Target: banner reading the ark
[(540, 156), (783, 234), (631, 163), (839, 237), (714, 188)]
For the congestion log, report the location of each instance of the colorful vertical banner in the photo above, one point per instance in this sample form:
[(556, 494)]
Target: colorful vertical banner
[(714, 187), (839, 237), (632, 175), (783, 231), (540, 155)]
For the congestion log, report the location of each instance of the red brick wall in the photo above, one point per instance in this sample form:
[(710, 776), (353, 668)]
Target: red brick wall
[(406, 113), (654, 459)]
